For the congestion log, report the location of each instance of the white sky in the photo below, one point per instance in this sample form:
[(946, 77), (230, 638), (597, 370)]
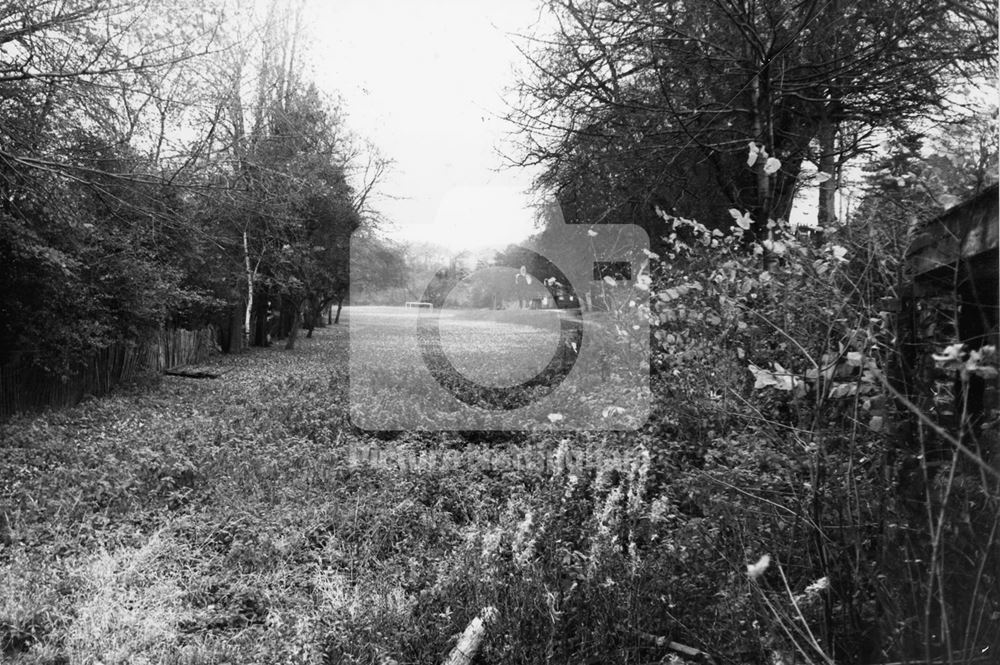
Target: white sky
[(425, 82)]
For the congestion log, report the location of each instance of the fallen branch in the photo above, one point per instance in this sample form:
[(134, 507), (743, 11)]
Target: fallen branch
[(689, 652), (468, 643)]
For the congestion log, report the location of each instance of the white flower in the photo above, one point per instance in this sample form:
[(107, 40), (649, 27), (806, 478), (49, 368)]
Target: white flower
[(591, 232), (555, 417), (772, 165), (755, 570)]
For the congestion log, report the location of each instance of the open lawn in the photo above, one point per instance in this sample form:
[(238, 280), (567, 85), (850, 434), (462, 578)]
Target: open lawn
[(607, 387), (244, 520)]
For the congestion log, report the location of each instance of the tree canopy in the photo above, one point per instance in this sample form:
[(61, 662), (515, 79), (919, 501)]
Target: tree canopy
[(664, 103), (165, 163)]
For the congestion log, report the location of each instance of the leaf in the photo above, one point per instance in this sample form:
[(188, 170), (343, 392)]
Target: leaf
[(785, 380), (951, 354), (752, 156), (839, 252), (743, 219), (772, 165), (982, 362), (608, 279), (822, 176), (875, 424), (948, 200), (762, 377), (775, 247), (843, 390)]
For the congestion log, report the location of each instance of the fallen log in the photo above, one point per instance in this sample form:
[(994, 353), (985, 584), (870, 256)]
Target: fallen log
[(471, 639), (190, 373)]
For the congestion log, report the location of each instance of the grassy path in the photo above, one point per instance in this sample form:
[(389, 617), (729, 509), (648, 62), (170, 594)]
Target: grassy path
[(228, 521), (199, 520)]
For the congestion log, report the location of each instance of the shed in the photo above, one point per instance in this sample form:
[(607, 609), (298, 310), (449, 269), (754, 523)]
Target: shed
[(954, 260)]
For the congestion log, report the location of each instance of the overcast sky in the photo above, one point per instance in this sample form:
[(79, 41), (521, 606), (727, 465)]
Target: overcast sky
[(425, 81)]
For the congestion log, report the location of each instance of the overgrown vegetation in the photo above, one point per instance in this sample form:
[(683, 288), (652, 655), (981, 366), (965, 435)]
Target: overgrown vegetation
[(767, 510), (802, 493)]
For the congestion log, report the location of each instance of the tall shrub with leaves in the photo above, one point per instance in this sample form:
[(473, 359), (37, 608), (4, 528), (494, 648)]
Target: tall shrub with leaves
[(781, 434)]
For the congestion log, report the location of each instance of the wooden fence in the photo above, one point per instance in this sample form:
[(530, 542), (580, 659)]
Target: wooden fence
[(26, 387)]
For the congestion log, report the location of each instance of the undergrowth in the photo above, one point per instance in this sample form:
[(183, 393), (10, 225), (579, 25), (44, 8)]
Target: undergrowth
[(762, 515)]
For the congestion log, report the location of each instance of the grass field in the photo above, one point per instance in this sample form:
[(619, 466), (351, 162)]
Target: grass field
[(392, 386), (245, 520)]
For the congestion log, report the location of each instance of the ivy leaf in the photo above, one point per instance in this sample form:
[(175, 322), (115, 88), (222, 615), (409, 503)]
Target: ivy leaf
[(752, 156)]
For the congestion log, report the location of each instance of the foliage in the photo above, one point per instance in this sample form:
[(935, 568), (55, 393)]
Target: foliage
[(125, 206), (634, 104)]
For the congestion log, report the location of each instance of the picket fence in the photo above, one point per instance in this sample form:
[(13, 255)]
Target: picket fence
[(24, 386)]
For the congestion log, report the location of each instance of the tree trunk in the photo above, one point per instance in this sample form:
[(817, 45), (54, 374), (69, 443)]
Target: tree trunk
[(827, 135), (311, 315), (260, 328), (294, 331), (340, 306), (251, 275)]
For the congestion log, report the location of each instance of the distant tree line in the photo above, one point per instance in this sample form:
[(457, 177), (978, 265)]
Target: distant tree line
[(168, 164)]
